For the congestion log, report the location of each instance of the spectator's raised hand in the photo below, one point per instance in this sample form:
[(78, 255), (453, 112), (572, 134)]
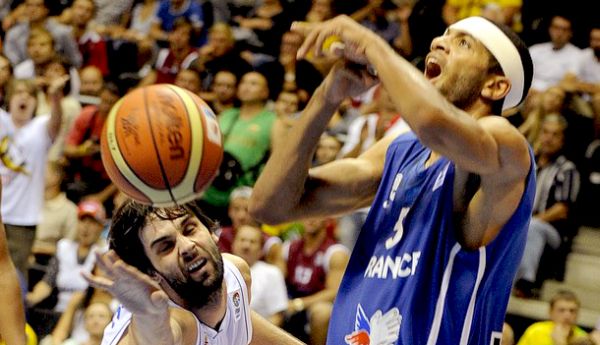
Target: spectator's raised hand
[(56, 86)]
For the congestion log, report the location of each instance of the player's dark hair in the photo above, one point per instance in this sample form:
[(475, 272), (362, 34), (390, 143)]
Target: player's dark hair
[(124, 236)]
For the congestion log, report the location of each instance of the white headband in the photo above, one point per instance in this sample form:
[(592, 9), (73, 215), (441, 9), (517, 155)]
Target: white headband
[(502, 49)]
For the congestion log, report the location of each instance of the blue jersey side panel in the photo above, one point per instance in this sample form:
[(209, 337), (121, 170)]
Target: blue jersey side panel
[(409, 281)]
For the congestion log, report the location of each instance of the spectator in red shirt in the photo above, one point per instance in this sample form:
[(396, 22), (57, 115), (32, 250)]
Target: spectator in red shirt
[(87, 177), (315, 266), (178, 56)]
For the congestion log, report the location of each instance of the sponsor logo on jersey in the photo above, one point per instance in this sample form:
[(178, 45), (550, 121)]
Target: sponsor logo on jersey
[(379, 329), (237, 310)]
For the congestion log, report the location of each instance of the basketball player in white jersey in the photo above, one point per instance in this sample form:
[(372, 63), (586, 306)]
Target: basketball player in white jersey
[(174, 286)]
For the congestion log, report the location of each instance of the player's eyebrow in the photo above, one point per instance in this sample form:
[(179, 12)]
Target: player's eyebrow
[(159, 240)]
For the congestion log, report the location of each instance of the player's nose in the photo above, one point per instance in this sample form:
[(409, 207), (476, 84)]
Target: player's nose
[(439, 43)]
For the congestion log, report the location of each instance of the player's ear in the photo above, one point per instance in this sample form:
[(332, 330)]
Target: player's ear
[(495, 88)]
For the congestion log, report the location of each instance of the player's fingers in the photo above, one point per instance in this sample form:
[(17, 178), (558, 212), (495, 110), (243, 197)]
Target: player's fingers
[(126, 271), (307, 44), (96, 281), (322, 36), (303, 28), (104, 264)]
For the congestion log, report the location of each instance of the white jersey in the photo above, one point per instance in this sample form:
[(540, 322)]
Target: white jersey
[(23, 153), (235, 329)]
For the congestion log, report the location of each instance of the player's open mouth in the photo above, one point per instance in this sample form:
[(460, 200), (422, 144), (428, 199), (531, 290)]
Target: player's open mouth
[(432, 69), (196, 265)]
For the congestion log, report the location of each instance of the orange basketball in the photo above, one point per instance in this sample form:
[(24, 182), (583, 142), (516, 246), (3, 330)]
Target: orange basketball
[(161, 145)]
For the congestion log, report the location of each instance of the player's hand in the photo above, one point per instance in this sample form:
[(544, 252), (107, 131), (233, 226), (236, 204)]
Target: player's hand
[(350, 39), (347, 80), (134, 289)]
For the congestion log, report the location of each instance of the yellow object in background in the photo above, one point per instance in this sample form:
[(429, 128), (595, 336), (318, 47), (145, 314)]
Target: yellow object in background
[(31, 336)]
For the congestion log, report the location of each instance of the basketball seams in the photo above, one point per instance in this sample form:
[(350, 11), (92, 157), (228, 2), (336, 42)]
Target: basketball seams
[(154, 195), (113, 132), (196, 151), (156, 151)]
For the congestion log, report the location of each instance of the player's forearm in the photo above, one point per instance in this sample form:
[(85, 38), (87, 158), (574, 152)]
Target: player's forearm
[(12, 323), (265, 333), (280, 187), (437, 123), (152, 329)]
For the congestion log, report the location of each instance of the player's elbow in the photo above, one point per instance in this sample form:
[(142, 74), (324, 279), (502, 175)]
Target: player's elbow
[(259, 209)]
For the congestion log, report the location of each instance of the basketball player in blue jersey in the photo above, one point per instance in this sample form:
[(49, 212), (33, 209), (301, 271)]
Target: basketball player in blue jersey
[(165, 268), (450, 200)]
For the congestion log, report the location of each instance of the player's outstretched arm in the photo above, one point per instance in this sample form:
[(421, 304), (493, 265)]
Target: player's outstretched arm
[(475, 146), (265, 333), (287, 190), (12, 322), (151, 322)]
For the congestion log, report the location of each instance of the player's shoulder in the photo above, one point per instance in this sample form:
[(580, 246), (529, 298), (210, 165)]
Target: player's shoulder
[(241, 266), (513, 149)]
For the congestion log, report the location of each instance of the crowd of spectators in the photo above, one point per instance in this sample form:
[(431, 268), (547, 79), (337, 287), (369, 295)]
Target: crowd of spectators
[(65, 63)]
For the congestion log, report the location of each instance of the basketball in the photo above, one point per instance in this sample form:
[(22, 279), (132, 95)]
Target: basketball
[(161, 145)]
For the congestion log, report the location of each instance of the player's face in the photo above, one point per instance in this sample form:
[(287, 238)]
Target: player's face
[(457, 66), (564, 312), (248, 244), (185, 255)]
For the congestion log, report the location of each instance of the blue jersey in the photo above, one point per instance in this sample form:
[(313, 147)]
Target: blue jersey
[(409, 281)]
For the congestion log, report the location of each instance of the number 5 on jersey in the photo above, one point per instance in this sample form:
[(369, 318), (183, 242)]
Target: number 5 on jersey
[(398, 229)]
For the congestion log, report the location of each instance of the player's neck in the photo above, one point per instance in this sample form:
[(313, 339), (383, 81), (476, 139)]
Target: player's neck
[(213, 312)]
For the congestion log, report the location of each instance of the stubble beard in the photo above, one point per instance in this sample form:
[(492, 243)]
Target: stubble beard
[(197, 294), (462, 90)]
